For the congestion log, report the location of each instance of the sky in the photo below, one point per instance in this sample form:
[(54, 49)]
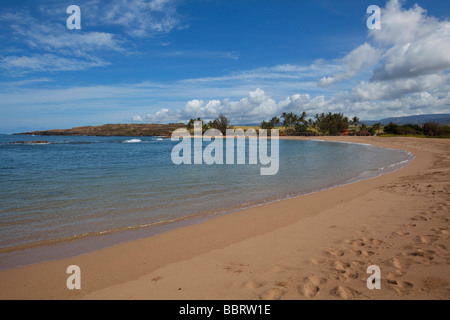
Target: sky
[(166, 61)]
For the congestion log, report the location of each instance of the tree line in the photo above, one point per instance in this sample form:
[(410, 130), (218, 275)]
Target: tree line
[(331, 124), (325, 124), (221, 123), (430, 129)]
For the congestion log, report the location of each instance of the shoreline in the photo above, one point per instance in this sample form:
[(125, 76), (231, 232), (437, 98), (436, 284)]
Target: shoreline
[(57, 249), (231, 241)]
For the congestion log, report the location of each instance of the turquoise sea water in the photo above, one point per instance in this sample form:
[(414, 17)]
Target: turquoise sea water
[(78, 186)]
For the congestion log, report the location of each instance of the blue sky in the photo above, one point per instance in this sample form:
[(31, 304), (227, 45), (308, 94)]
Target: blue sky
[(169, 60)]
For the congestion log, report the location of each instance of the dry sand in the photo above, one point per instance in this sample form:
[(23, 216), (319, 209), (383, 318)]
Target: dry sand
[(317, 246)]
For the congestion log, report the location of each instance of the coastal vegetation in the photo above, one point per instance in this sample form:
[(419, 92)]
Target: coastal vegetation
[(334, 124), (110, 130), (289, 124), (300, 125), (429, 129)]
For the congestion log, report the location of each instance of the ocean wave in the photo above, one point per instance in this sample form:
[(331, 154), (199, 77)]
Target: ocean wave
[(133, 141), (356, 143), (343, 142)]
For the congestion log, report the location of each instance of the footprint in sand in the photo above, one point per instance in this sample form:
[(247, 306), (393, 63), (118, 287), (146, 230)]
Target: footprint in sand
[(310, 286), (400, 264), (334, 252), (350, 274), (251, 284), (443, 232), (308, 290), (401, 287), (394, 275), (365, 242), (340, 265), (427, 239), (363, 253), (336, 274), (281, 284), (158, 278), (345, 293), (273, 294), (358, 264), (316, 262), (400, 233), (358, 243), (425, 254), (235, 267), (419, 218), (375, 242)]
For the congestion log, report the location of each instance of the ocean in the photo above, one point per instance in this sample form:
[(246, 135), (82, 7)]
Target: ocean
[(82, 187)]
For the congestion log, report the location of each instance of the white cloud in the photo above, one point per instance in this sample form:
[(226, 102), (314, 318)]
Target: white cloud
[(55, 37), (257, 106), (47, 63), (368, 101), (410, 60), (287, 71), (409, 44), (401, 26), (416, 44), (138, 18), (364, 55), (396, 88), (82, 50)]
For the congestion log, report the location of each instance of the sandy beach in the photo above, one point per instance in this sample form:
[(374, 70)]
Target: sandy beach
[(317, 246)]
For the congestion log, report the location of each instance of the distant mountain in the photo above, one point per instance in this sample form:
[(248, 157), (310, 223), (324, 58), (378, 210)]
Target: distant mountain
[(420, 119)]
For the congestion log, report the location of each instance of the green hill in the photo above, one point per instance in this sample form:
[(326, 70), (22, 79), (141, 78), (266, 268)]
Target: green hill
[(109, 130)]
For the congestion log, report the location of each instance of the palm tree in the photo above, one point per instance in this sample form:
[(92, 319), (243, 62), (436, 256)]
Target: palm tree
[(293, 119), (285, 117), (191, 123), (377, 127), (355, 121), (302, 118), (275, 121)]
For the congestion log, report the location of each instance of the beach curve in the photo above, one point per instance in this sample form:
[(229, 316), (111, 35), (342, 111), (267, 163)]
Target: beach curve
[(320, 251)]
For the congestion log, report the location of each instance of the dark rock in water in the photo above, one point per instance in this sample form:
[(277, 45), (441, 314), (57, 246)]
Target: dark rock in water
[(30, 142)]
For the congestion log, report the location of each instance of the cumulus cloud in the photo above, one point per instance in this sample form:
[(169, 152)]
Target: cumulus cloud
[(257, 106), (396, 88), (397, 98), (364, 55), (417, 44), (410, 64), (410, 44)]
